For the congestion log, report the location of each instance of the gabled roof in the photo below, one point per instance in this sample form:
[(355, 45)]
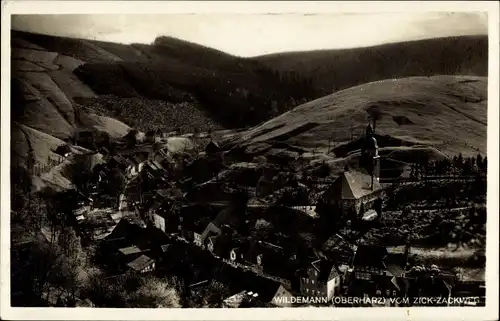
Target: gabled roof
[(141, 262), (395, 269), (130, 250), (211, 228), (171, 193), (267, 289), (212, 147), (235, 300), (353, 185), (212, 239), (326, 269)]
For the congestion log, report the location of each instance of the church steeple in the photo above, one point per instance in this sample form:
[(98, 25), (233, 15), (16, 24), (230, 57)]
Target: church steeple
[(369, 130), (370, 160)]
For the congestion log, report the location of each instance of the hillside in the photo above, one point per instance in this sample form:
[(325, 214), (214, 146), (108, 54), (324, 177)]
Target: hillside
[(233, 91), (229, 91), (445, 113), (60, 85), (333, 70)]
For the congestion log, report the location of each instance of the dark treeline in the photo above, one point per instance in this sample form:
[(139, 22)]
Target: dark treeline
[(236, 97), (458, 166)]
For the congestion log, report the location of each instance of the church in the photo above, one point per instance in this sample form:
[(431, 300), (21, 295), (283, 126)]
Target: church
[(355, 192)]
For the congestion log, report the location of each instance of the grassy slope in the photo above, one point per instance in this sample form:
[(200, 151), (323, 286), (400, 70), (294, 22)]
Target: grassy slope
[(132, 73), (172, 71), (448, 113), (239, 92), (334, 70)]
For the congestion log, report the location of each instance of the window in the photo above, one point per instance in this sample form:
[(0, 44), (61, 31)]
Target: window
[(313, 292), (307, 280), (312, 281), (307, 290), (315, 273), (362, 276)]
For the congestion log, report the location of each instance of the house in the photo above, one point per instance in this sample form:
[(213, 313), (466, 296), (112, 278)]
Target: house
[(142, 264), (353, 193), (210, 231), (263, 294), (136, 163), (130, 250), (118, 161), (429, 285), (154, 216), (237, 300), (373, 265), (212, 148), (153, 136), (469, 289), (265, 184), (270, 258), (227, 218), (63, 150), (336, 246), (197, 231), (321, 278)]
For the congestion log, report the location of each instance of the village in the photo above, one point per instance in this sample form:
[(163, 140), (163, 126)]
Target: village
[(165, 206)]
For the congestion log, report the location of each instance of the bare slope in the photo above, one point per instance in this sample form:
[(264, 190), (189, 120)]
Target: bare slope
[(43, 92), (448, 113), (241, 92)]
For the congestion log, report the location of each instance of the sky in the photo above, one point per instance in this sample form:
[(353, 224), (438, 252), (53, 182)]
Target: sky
[(250, 35)]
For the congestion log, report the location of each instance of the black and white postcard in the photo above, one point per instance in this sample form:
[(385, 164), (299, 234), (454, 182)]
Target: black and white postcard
[(250, 161)]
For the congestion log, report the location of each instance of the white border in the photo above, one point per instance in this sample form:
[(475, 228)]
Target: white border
[(490, 312)]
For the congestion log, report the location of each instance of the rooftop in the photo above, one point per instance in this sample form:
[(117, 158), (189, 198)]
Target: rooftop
[(130, 250), (326, 269), (353, 185), (370, 256), (140, 263)]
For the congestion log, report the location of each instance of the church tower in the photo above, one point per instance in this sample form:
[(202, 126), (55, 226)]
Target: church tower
[(370, 159)]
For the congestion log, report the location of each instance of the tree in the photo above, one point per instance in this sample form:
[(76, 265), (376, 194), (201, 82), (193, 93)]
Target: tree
[(484, 165), (117, 181), (479, 161), (262, 224), (323, 170), (216, 293), (154, 293), (130, 291)]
